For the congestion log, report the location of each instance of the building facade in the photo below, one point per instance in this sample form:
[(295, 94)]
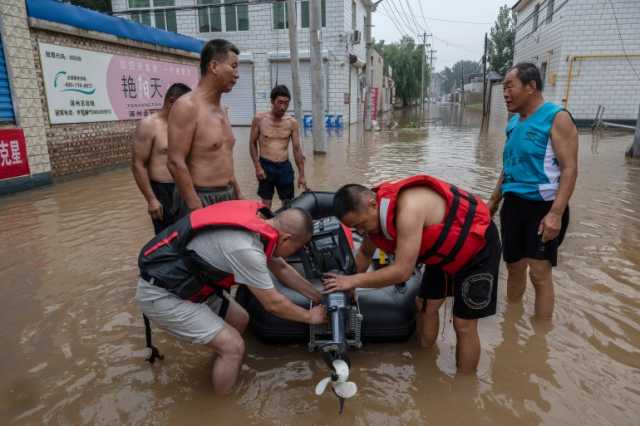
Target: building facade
[(588, 52), (259, 29)]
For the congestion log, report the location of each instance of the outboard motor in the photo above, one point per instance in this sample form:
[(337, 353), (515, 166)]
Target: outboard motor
[(329, 251)]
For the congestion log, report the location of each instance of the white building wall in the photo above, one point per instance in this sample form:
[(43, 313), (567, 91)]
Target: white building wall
[(544, 44), (264, 42), (586, 27)]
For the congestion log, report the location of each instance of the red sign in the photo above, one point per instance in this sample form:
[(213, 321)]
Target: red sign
[(13, 154), (374, 103)]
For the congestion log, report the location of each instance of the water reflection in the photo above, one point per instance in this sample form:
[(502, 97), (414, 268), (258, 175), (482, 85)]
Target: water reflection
[(76, 343)]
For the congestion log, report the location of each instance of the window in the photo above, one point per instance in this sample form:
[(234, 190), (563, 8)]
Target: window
[(236, 16), (354, 15), (550, 11), (543, 75), (217, 18), (280, 15), (209, 18), (536, 13), (162, 19), (304, 13)]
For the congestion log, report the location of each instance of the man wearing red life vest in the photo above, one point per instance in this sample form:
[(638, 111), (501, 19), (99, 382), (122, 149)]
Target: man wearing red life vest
[(422, 219), (186, 267)]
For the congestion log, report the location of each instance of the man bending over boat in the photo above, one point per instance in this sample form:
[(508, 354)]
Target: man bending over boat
[(422, 219), (185, 269)]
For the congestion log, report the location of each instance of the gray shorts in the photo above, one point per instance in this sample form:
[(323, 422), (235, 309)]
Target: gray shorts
[(196, 322)]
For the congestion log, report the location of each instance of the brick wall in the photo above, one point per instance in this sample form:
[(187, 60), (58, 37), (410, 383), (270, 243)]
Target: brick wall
[(84, 147), (27, 102)]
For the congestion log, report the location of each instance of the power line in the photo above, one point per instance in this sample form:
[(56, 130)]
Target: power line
[(422, 14), (624, 49), (396, 21), (454, 21), (413, 17), (403, 17)]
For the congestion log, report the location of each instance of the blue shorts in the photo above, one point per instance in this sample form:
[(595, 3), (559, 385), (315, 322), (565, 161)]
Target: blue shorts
[(279, 177)]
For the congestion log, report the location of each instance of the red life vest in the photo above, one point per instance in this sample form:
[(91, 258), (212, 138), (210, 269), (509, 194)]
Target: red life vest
[(166, 261), (450, 244)]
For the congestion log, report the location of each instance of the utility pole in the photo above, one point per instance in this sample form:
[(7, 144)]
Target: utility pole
[(431, 58), (423, 58), (462, 83), (317, 81), (634, 151), (294, 60), (369, 68), (484, 80)]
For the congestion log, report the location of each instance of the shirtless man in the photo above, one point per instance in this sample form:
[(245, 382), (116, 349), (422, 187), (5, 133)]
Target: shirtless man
[(269, 147), (200, 137), (149, 161)]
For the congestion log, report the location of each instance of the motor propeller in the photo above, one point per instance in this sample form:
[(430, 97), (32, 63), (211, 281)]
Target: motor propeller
[(340, 385)]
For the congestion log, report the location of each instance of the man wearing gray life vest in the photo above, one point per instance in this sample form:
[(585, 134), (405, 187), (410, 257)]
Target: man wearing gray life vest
[(540, 167), (422, 219), (185, 269)]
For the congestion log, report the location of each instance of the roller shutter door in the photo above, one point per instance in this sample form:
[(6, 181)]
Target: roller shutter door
[(281, 72), (240, 100), (6, 106)]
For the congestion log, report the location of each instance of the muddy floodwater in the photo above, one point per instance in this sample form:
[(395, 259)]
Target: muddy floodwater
[(72, 339)]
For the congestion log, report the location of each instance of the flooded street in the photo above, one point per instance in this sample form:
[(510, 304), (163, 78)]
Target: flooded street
[(73, 339)]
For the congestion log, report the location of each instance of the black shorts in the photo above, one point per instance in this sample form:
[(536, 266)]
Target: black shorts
[(519, 222), (279, 176), (164, 194), (207, 196), (475, 287)]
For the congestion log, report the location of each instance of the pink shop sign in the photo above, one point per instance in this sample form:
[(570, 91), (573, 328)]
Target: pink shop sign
[(137, 87)]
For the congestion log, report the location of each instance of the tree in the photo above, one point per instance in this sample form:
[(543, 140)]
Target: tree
[(461, 71), (500, 49), (405, 58), (99, 5)]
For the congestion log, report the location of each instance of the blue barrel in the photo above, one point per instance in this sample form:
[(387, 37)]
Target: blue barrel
[(328, 121), (307, 121), (339, 122)]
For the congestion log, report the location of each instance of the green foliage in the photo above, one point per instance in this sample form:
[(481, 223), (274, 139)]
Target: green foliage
[(405, 59), (500, 49), (99, 5), (453, 77)]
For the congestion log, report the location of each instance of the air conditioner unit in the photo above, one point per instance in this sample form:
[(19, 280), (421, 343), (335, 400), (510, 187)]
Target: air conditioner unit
[(356, 37)]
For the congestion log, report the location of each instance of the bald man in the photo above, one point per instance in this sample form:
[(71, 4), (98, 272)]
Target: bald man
[(185, 268)]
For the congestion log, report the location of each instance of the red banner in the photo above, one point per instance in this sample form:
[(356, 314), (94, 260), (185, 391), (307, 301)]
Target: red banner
[(13, 154), (374, 103)]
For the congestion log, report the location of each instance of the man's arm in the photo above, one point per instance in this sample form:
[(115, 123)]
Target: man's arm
[(496, 196), (364, 255), (182, 129), (277, 304), (288, 276), (254, 149), (298, 155), (564, 140), (409, 223), (141, 153)]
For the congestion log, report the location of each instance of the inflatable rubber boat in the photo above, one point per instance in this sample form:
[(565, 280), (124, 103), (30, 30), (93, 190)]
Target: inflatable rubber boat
[(372, 315)]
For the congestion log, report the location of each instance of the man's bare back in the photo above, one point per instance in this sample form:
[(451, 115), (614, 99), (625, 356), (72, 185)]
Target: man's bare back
[(274, 136)]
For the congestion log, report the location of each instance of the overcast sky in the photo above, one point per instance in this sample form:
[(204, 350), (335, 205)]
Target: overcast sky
[(453, 41)]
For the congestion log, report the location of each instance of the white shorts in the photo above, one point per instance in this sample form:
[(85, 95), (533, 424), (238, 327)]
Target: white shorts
[(195, 322)]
